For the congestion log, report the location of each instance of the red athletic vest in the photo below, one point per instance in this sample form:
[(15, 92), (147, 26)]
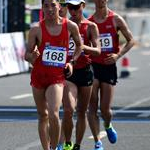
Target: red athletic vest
[(109, 38), (84, 59), (61, 40)]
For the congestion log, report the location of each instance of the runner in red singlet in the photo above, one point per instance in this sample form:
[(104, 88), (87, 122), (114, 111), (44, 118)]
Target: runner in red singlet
[(79, 85), (51, 37), (63, 13), (105, 72)]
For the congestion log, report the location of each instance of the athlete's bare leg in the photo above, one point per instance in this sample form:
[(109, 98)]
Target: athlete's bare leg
[(107, 93), (84, 94), (62, 135), (43, 122), (69, 103), (93, 117), (54, 94)]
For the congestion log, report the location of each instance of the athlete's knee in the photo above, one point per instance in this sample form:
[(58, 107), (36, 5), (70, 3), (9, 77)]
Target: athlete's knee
[(68, 113), (81, 113), (53, 116), (105, 112), (92, 114), (43, 115)]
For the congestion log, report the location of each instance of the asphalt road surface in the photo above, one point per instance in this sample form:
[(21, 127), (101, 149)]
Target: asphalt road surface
[(131, 107)]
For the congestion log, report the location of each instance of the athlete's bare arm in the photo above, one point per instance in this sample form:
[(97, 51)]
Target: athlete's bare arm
[(93, 35), (33, 41), (123, 27), (74, 33)]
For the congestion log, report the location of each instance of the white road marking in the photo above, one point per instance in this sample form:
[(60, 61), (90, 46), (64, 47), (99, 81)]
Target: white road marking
[(135, 104), (30, 145), (22, 109), (21, 96), (102, 135), (144, 115), (132, 111)]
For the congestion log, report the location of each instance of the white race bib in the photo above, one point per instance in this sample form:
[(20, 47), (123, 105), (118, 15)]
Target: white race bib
[(106, 42), (54, 56), (72, 46)]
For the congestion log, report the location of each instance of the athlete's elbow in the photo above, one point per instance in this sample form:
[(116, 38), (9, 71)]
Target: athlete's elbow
[(98, 52), (131, 43)]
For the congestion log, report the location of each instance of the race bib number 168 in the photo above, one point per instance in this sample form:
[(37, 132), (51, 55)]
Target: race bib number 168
[(54, 56)]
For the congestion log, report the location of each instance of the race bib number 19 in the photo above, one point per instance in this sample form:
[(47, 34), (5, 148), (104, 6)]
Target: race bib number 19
[(54, 56), (106, 42)]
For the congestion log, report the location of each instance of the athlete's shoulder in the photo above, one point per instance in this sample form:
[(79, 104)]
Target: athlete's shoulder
[(35, 26), (118, 19), (71, 24), (35, 29), (114, 14), (91, 24)]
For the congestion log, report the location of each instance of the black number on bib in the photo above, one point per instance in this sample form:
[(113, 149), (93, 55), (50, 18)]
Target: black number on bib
[(101, 42), (47, 54), (54, 56), (71, 45), (106, 42), (60, 57)]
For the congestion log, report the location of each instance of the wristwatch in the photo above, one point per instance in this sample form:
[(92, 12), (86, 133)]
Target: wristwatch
[(72, 61)]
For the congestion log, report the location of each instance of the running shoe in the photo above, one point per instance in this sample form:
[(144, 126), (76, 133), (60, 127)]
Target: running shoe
[(59, 146), (111, 134), (98, 146), (68, 146)]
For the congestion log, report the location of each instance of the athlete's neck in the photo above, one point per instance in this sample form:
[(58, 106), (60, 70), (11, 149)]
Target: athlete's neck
[(53, 22), (101, 13), (78, 21)]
